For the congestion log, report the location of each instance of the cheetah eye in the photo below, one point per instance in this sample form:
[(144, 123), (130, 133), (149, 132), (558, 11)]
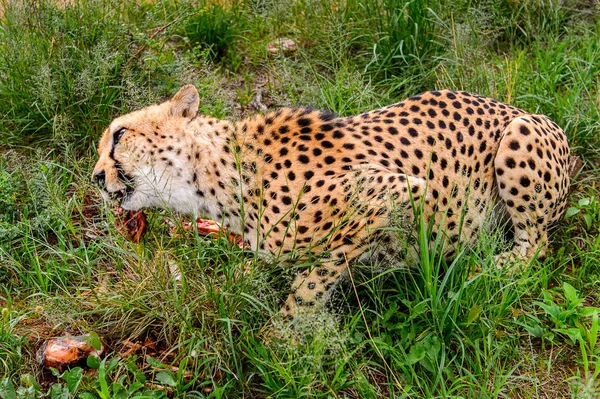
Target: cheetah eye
[(117, 135)]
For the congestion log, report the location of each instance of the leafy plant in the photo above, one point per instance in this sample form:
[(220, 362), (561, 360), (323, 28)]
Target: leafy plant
[(568, 319), (589, 210), (116, 378)]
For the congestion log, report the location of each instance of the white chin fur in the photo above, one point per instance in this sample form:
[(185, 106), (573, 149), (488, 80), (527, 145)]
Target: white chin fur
[(161, 193), (132, 202)]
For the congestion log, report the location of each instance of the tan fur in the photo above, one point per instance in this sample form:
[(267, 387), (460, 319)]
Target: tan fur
[(300, 180)]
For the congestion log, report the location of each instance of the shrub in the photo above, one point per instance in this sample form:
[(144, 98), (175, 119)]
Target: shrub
[(214, 28)]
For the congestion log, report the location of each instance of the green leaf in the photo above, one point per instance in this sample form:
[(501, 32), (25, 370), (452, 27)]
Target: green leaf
[(433, 345), (133, 369), (74, 379), (474, 313), (29, 381), (552, 310), (7, 390), (536, 331), (94, 340), (154, 363), (570, 292), (588, 220), (589, 311), (136, 386), (93, 362), (55, 372), (593, 332), (104, 393), (418, 309), (416, 354), (572, 211), (165, 378), (57, 391), (547, 296), (583, 202), (118, 390), (573, 333), (112, 364)]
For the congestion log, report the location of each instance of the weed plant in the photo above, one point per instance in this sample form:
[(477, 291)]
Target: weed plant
[(214, 27), (438, 328)]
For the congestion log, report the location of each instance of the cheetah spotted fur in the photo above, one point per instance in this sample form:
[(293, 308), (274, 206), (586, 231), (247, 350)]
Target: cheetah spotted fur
[(301, 179)]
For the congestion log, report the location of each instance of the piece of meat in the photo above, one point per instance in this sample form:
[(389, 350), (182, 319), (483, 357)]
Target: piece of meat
[(132, 222), (62, 351), (208, 227)]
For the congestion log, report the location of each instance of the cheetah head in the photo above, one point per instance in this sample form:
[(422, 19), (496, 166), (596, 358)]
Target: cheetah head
[(138, 166)]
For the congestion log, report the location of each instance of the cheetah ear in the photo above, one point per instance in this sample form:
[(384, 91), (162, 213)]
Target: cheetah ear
[(185, 103)]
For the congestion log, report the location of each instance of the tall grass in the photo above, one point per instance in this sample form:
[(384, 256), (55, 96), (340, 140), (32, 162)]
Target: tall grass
[(65, 70), (214, 27), (185, 315), (400, 39)]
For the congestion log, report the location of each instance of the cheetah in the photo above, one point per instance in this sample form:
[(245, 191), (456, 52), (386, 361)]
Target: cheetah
[(303, 179)]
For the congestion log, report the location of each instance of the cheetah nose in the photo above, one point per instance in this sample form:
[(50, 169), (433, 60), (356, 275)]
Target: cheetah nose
[(100, 178)]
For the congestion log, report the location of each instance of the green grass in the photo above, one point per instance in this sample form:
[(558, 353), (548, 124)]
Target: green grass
[(429, 331)]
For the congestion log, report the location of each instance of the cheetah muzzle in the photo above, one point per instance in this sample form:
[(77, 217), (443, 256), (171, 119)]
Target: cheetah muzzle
[(305, 181)]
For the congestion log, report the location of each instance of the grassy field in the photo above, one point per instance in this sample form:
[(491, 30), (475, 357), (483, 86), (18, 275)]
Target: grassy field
[(68, 68)]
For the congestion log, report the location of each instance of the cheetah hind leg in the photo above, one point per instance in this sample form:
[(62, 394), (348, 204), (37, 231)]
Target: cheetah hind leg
[(532, 186)]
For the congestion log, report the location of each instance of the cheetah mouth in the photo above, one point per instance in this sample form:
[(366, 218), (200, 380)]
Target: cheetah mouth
[(129, 222), (122, 195)]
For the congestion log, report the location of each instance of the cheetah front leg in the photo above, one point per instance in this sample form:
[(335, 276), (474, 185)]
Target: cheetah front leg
[(369, 207), (312, 288)]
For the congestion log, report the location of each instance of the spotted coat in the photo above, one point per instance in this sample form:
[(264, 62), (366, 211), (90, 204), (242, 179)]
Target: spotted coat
[(303, 182)]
